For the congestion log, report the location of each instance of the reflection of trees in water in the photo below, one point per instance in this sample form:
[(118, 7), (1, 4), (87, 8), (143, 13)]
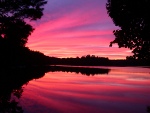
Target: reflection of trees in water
[(9, 101), (11, 82), (82, 70)]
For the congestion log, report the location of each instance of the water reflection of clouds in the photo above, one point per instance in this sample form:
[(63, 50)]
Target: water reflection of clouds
[(133, 74), (61, 92), (134, 70), (138, 78)]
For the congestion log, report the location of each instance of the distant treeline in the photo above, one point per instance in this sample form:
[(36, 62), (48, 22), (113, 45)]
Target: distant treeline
[(22, 56), (92, 60)]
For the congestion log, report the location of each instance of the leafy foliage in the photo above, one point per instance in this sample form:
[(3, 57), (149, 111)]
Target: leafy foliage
[(13, 27), (133, 19)]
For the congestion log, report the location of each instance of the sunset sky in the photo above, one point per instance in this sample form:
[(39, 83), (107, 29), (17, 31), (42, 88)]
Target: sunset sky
[(71, 28)]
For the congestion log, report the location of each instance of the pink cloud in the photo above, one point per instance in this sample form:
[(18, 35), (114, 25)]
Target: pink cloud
[(83, 29)]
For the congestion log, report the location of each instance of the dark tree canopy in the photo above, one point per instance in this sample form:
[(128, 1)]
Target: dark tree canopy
[(13, 27), (133, 18)]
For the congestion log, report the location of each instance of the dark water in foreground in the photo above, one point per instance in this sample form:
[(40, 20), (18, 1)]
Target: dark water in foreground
[(120, 90)]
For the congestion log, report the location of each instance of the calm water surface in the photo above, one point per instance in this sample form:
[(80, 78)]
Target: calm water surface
[(122, 90)]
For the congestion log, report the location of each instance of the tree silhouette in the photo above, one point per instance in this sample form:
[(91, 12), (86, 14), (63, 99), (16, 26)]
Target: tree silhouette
[(13, 14), (133, 19)]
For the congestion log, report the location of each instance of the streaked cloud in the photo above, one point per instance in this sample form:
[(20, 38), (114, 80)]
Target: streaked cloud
[(71, 28)]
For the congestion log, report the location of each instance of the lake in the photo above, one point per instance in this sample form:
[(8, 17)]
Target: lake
[(115, 90)]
